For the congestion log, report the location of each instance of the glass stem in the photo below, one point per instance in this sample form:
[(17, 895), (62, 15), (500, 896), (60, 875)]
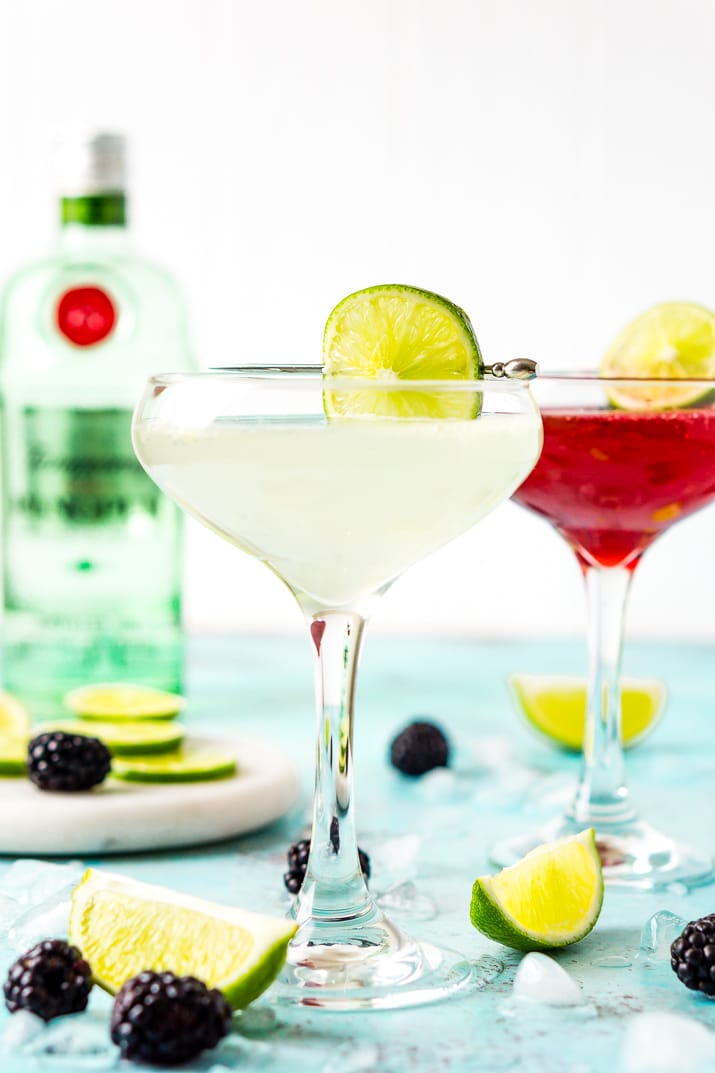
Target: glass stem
[(334, 890), (602, 796)]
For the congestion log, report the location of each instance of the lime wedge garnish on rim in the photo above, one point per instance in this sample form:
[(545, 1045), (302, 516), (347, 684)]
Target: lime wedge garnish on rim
[(13, 754), (14, 716), (396, 334), (555, 706), (117, 701), (550, 898), (123, 927), (674, 340), (191, 763), (125, 739)]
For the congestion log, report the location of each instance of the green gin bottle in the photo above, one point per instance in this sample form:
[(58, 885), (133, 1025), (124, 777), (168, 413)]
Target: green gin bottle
[(92, 552)]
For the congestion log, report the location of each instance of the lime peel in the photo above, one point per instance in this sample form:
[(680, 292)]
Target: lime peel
[(123, 927), (551, 898)]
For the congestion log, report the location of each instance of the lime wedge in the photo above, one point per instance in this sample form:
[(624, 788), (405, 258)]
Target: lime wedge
[(128, 738), (555, 706), (395, 334), (14, 716), (550, 898), (123, 927), (192, 763), (13, 754), (116, 701), (674, 340)]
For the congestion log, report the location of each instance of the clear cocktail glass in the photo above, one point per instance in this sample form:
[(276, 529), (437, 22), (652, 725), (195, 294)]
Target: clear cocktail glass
[(338, 507), (622, 461)]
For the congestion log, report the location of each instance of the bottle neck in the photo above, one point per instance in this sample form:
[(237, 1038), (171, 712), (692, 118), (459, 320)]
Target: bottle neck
[(94, 210), (93, 222)]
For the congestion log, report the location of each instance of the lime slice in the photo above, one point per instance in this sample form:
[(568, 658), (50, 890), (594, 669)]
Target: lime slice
[(13, 754), (673, 340), (113, 702), (14, 716), (550, 898), (123, 927), (192, 763), (555, 706), (397, 334), (126, 739)]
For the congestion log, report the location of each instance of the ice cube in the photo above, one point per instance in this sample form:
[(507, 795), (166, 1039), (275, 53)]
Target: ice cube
[(541, 979), (76, 1042), (442, 786), (397, 856), (405, 900), (9, 910), (21, 1029), (664, 1042), (30, 881), (659, 931), (48, 920)]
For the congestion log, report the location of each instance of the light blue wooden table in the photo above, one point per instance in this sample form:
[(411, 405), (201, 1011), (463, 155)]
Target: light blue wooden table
[(435, 833)]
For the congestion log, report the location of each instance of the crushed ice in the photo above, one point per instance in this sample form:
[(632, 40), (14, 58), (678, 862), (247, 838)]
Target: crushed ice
[(664, 1042), (541, 979), (404, 899), (35, 901), (31, 881), (21, 1029), (74, 1042), (48, 920), (398, 856)]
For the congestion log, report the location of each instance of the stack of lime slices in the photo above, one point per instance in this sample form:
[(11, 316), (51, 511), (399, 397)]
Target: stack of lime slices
[(393, 335), (673, 340), (123, 927), (135, 722)]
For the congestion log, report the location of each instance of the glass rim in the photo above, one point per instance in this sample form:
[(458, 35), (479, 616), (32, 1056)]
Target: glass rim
[(592, 376), (312, 376)]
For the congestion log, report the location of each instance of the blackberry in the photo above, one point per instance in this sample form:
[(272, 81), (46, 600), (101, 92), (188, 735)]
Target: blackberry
[(418, 748), (60, 761), (297, 856), (164, 1019), (692, 956), (50, 980)]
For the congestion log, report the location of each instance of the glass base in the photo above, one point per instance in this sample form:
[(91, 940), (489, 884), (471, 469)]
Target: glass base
[(387, 971), (633, 853)]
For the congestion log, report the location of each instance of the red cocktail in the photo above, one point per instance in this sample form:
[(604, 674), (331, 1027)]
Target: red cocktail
[(610, 480)]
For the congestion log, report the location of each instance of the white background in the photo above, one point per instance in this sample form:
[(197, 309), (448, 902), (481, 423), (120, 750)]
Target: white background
[(548, 164)]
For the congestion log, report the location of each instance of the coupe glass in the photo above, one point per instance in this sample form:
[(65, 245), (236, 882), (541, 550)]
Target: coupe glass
[(622, 461), (338, 507)]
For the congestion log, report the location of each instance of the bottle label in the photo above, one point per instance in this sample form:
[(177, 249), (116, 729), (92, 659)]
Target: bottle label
[(78, 468), (85, 315)]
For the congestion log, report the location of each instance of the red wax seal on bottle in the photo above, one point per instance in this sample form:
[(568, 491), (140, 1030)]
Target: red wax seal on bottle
[(85, 315)]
